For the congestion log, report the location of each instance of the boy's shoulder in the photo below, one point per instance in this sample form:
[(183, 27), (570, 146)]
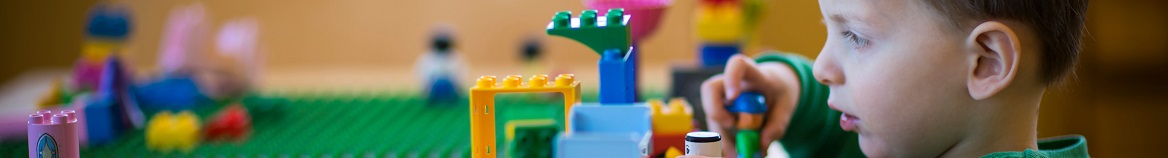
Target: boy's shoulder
[(1061, 146)]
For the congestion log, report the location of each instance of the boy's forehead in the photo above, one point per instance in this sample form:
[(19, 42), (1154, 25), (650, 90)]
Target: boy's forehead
[(865, 12)]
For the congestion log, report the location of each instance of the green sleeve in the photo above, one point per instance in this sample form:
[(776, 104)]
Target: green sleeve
[(814, 130)]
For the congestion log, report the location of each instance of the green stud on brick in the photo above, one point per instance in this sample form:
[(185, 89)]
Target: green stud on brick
[(613, 34)]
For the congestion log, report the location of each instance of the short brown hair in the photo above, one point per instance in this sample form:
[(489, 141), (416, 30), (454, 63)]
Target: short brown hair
[(1058, 24)]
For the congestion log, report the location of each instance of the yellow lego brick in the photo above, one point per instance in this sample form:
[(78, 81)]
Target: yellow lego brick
[(166, 131), (672, 152), (672, 119), (482, 105), (720, 24)]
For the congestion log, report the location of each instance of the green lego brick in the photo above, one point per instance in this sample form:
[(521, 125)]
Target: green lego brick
[(600, 34), (533, 141)]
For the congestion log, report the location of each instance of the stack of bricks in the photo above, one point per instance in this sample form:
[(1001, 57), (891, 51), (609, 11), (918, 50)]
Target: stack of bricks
[(53, 135)]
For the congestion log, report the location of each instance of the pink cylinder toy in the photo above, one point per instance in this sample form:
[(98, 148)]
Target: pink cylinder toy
[(53, 135)]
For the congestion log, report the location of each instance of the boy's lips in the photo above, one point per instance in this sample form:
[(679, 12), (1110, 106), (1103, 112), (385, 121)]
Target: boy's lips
[(848, 122)]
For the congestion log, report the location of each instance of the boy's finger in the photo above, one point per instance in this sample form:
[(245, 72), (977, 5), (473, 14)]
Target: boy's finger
[(713, 104), (777, 118), (740, 71)]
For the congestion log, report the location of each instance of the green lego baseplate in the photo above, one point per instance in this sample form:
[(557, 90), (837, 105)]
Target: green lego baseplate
[(334, 124)]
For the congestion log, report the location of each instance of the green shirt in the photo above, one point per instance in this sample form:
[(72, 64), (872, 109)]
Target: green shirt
[(814, 130)]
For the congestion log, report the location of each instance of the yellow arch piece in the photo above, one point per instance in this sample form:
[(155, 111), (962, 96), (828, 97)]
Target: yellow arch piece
[(482, 105)]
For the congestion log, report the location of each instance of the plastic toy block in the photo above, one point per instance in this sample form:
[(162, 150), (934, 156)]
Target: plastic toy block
[(231, 123), (663, 142), (598, 33), (581, 145), (672, 152), (720, 24), (716, 55), (115, 88), (618, 78), (103, 120), (747, 144), (594, 118), (172, 93), (670, 124), (687, 82), (530, 138), (483, 109), (53, 135), (672, 119), (167, 131)]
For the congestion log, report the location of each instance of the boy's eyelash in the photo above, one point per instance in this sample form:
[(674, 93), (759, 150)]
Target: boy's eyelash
[(854, 39)]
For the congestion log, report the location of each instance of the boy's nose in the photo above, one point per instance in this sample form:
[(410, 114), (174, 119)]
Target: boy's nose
[(827, 70)]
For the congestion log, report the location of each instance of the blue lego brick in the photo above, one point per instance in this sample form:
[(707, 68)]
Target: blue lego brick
[(442, 90), (714, 55), (171, 93), (103, 120), (749, 102), (618, 77), (593, 118), (589, 145)]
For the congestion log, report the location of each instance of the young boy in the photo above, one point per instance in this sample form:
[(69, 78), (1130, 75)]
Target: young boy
[(914, 78)]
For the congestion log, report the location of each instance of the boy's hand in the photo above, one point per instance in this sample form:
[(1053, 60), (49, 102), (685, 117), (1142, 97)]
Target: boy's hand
[(777, 82)]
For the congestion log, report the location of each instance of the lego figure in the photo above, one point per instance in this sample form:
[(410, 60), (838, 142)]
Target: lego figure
[(440, 68), (107, 30), (53, 135), (750, 107)]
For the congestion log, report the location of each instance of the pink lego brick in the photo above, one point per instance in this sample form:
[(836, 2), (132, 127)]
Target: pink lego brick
[(53, 135)]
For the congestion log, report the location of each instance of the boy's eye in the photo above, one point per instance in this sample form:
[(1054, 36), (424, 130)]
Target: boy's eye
[(854, 39)]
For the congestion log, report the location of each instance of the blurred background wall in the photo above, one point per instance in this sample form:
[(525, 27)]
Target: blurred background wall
[(1115, 100)]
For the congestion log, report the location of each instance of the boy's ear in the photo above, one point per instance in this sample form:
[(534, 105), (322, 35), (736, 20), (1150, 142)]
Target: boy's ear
[(995, 49)]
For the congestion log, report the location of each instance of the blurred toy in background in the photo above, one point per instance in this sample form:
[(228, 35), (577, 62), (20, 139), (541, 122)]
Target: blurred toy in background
[(180, 57), (724, 27), (107, 29), (167, 131), (241, 61), (232, 123), (56, 96), (440, 69), (648, 14), (53, 135), (112, 109), (531, 53), (192, 76)]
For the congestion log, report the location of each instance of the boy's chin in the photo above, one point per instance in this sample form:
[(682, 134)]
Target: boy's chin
[(872, 148)]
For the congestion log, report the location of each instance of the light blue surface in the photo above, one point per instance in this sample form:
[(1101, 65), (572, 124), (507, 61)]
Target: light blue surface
[(591, 145), (593, 118)]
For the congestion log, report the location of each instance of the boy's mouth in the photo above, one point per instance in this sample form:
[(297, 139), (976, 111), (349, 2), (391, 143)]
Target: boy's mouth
[(849, 122)]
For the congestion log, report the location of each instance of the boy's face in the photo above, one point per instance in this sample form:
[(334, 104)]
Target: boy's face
[(898, 73)]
